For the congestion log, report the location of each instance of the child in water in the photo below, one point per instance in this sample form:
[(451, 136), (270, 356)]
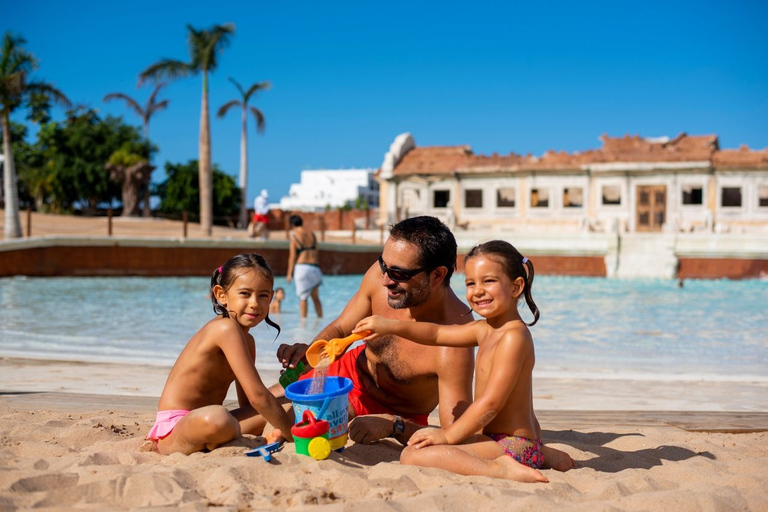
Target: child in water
[(274, 308), (510, 444), (190, 414)]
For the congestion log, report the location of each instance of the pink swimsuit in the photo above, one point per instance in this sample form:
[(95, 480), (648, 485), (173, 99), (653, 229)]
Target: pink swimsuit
[(165, 421), (523, 450)]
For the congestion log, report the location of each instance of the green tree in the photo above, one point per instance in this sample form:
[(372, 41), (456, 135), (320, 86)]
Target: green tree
[(259, 116), (16, 88), (204, 48), (180, 192), (361, 203), (130, 167), (145, 114), (75, 154)]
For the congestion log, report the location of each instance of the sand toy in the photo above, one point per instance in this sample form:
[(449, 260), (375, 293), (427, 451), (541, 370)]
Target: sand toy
[(332, 348), (264, 451), (311, 437), (291, 375), (331, 405)]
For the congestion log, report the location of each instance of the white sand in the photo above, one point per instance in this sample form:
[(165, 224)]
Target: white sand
[(62, 450)]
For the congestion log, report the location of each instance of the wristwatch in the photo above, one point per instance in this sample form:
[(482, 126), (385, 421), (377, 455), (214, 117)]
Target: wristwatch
[(398, 427)]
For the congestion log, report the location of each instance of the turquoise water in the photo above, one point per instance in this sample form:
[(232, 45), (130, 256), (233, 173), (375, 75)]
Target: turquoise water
[(599, 327)]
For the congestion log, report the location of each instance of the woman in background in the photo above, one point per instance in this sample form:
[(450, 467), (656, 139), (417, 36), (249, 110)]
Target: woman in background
[(303, 266)]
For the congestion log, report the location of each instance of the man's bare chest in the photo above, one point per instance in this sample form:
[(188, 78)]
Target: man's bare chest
[(391, 358)]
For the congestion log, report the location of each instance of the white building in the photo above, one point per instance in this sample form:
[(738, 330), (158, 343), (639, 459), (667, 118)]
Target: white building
[(334, 188), (659, 207), (631, 184)]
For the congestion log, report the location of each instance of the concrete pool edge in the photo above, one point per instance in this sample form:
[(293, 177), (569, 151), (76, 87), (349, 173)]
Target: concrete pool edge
[(691, 256)]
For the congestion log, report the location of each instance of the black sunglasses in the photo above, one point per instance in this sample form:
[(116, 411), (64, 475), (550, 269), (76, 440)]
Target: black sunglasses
[(397, 274)]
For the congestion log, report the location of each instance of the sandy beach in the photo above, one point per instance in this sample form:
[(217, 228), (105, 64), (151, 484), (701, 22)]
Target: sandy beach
[(71, 433)]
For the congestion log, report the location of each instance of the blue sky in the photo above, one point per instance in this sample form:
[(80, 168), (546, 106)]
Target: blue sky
[(348, 77)]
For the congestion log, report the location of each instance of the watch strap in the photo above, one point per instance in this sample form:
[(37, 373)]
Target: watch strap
[(398, 426)]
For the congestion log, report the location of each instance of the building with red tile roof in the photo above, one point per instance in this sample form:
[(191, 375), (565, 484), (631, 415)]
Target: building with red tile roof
[(631, 183)]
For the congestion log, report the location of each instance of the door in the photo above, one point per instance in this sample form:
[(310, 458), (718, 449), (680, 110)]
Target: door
[(651, 207)]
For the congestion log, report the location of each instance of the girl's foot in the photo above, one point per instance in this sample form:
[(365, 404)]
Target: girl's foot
[(513, 470), (148, 446), (556, 459)]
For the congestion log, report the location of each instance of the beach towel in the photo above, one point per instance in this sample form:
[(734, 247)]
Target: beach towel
[(307, 277)]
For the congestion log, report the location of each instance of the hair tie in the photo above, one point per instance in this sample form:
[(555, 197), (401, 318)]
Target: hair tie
[(219, 269), (525, 260)]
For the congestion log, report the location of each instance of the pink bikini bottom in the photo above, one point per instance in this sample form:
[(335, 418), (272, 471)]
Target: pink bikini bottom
[(165, 421)]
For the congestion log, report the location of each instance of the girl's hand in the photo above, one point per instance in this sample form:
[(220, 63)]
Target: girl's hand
[(428, 436), (376, 324)]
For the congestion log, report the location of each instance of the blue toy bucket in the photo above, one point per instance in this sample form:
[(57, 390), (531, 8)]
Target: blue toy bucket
[(331, 405)]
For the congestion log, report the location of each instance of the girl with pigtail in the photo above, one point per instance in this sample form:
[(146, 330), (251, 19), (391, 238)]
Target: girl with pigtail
[(499, 434), (190, 414)]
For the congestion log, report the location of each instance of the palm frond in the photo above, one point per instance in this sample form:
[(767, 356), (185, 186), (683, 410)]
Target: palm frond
[(156, 107), (166, 69), (217, 41), (239, 87), (151, 100), (11, 41), (55, 95), (260, 86), (225, 107), (196, 43), (14, 58), (260, 122), (132, 104)]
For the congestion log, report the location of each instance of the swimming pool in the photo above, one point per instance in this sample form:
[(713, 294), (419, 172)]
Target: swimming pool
[(589, 326)]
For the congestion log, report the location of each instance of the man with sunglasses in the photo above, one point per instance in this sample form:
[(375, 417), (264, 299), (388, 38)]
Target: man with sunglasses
[(397, 383)]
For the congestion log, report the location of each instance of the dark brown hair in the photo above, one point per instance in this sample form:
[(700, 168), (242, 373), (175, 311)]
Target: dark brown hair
[(226, 274), (514, 265), (437, 246)]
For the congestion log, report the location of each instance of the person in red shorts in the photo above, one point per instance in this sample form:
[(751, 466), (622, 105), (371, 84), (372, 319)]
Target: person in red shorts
[(397, 383), (260, 216)]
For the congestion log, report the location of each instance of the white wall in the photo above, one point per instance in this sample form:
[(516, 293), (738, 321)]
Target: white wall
[(418, 193), (331, 187)]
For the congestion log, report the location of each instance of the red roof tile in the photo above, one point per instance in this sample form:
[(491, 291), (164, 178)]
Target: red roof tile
[(742, 157), (434, 160), (449, 159)]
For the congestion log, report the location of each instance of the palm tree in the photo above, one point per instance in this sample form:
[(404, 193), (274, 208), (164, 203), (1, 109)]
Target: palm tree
[(15, 88), (131, 169), (243, 103), (204, 47), (145, 114)]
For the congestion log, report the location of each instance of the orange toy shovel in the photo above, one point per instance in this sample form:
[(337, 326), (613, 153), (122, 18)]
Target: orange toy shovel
[(331, 349)]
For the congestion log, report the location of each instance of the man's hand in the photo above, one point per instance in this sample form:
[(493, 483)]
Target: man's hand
[(371, 428), (290, 355), (428, 436)]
